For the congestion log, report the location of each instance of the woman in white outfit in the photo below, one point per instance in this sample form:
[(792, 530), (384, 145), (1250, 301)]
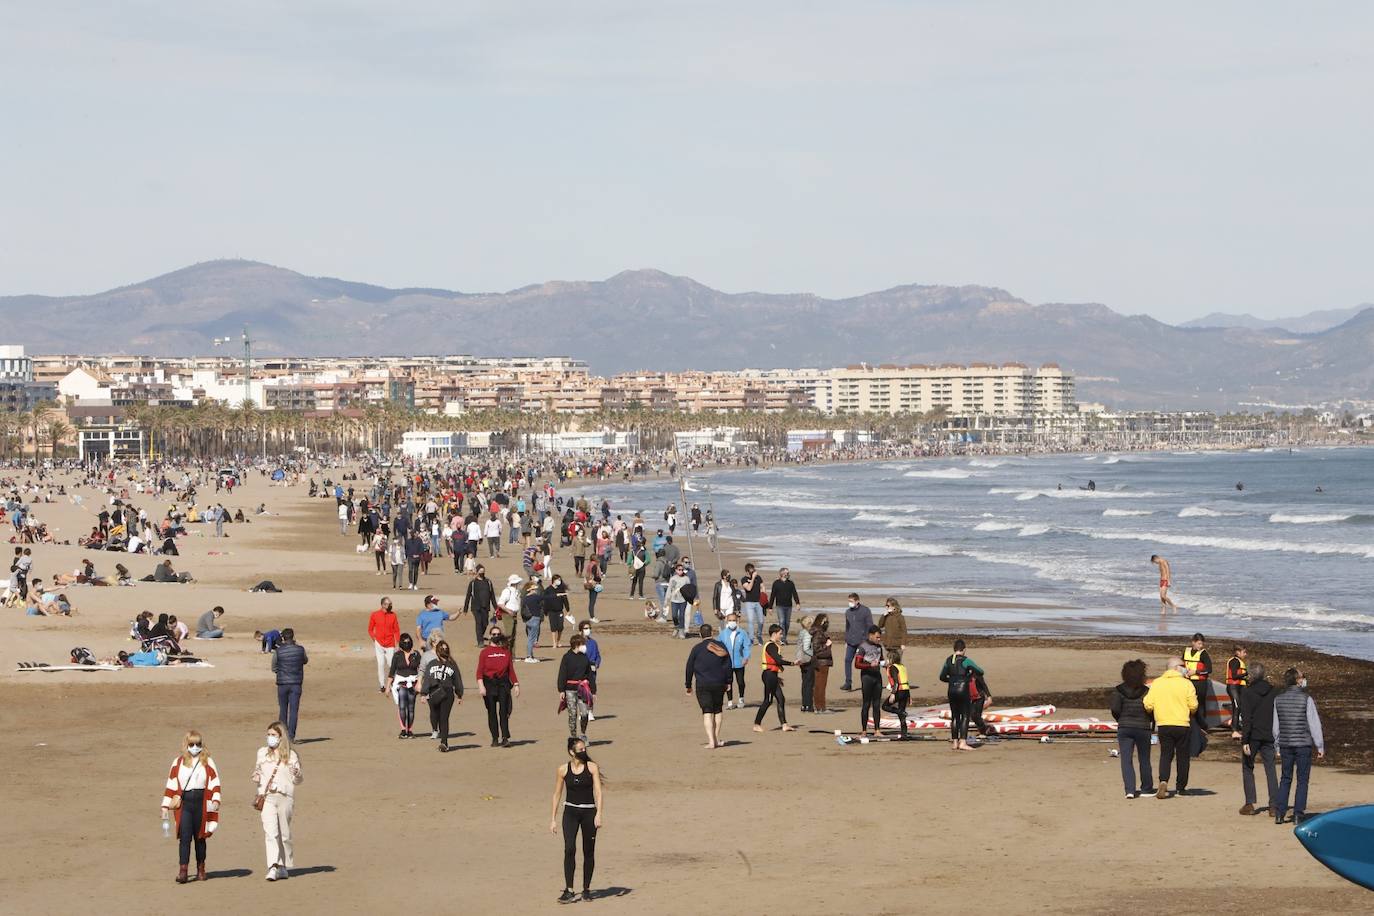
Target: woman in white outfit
[(276, 775)]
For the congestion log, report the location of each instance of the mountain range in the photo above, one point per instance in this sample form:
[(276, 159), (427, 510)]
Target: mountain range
[(647, 319), (1311, 323)]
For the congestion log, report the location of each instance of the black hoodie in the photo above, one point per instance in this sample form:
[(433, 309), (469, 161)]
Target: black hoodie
[(1128, 709), (1257, 712)]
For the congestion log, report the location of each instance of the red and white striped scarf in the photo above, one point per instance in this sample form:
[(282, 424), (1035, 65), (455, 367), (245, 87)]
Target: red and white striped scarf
[(209, 816)]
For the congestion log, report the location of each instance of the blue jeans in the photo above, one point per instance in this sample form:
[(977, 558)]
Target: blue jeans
[(1301, 758), (1137, 740), (784, 619), (288, 706), (532, 634), (753, 618), (662, 589), (210, 634), (679, 612), (849, 652)]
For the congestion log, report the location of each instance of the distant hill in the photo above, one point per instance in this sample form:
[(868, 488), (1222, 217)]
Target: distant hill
[(1311, 323), (649, 319)]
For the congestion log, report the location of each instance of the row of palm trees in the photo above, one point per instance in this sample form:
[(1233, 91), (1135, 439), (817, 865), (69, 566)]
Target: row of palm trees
[(30, 431)]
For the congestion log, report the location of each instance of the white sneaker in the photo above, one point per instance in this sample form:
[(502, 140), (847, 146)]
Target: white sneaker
[(283, 872), (594, 619), (272, 873), (590, 716)]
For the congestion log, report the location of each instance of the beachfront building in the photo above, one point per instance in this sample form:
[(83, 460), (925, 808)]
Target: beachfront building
[(19, 391), (979, 388)]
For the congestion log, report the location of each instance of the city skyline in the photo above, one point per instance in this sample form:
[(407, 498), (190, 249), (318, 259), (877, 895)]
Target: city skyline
[(1195, 160)]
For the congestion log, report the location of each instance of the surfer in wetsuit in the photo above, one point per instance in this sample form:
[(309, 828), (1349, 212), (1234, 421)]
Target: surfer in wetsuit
[(1165, 580)]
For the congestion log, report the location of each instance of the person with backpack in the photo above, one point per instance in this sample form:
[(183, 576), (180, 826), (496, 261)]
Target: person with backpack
[(442, 687), (532, 615), (958, 670), (1133, 727), (639, 567)]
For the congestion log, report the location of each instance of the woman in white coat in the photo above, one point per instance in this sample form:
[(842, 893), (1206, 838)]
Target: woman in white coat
[(276, 775)]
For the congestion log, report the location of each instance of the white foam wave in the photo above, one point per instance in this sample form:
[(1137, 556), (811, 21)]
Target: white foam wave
[(892, 521), (986, 463), (941, 474), (1025, 494), (1204, 512), (1112, 460), (1229, 543), (1279, 518), (903, 546), (1126, 513), (1023, 530)]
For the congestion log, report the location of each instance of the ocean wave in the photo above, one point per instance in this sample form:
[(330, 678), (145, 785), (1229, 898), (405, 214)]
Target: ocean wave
[(1115, 459), (900, 545), (1125, 513), (1204, 512), (1023, 494), (942, 474), (1285, 518), (1023, 530), (1230, 543), (987, 463), (892, 521)]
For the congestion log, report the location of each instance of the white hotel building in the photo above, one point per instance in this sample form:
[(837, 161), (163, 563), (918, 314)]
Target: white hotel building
[(1011, 389)]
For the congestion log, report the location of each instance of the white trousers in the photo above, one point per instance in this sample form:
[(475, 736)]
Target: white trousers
[(383, 661), (276, 828)]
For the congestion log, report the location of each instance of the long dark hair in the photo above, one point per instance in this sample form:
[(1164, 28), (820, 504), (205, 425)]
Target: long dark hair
[(1133, 673)]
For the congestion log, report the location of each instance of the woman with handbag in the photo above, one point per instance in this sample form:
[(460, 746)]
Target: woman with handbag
[(191, 797), (276, 775), (822, 659), (592, 583)]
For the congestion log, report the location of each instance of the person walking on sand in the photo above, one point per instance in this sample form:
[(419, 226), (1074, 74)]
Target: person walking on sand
[(958, 670), (737, 642), (577, 784), (1257, 740), (1165, 581), (498, 685), (1172, 701), (870, 662), (532, 615), (191, 798), (288, 664), (823, 659), (398, 561), (403, 680), (785, 600), (385, 632), (806, 661), (752, 605), (442, 687), (1133, 727), (1298, 733), (708, 666), (773, 663), (275, 776), (576, 684), (857, 619), (481, 601)]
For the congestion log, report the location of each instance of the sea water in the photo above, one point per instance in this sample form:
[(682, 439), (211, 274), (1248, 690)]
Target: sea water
[(1272, 559)]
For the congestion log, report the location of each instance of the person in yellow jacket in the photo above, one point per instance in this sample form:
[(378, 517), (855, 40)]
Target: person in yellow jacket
[(1172, 700)]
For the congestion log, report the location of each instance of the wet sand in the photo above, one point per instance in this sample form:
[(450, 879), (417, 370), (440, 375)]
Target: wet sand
[(773, 822)]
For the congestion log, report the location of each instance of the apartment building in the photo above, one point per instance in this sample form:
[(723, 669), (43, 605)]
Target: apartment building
[(980, 388)]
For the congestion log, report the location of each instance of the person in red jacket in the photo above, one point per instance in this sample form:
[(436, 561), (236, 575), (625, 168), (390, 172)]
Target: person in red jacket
[(385, 631), (497, 683)]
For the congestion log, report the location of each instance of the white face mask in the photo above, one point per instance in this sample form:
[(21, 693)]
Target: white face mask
[(582, 650), (273, 740), (733, 625), (1302, 682), (586, 633), (853, 604), (193, 750)]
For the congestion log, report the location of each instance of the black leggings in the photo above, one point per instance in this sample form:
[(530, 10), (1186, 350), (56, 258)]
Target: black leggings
[(578, 563), (739, 686), (192, 810), (405, 707), (900, 699), (380, 556), (958, 717), (976, 716), (575, 819), (498, 709), (637, 581), (1234, 691), (870, 708), (772, 691), (440, 706)]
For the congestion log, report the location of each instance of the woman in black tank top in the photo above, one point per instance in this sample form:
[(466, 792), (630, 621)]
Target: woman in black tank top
[(577, 786)]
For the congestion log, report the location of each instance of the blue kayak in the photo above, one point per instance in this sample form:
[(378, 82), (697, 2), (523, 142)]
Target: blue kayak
[(1343, 841)]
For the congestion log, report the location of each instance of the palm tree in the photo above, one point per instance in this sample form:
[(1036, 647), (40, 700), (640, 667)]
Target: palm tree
[(58, 429)]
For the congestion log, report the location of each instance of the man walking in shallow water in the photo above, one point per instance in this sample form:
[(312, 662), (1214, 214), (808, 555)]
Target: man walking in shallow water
[(1165, 580)]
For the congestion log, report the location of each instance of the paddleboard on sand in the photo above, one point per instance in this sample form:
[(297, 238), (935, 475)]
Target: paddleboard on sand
[(1343, 841)]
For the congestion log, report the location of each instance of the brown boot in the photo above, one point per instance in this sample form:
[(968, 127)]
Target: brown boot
[(181, 874), (200, 871), (1248, 809)]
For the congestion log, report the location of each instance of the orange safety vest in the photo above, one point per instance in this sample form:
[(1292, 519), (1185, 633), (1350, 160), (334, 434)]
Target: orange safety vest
[(897, 674), (1242, 676), (768, 663), (1192, 660)]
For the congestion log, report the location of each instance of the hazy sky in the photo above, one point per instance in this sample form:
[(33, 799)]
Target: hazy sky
[(1169, 158)]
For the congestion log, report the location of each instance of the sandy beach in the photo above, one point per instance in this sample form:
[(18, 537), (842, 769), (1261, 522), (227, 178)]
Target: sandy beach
[(773, 822)]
